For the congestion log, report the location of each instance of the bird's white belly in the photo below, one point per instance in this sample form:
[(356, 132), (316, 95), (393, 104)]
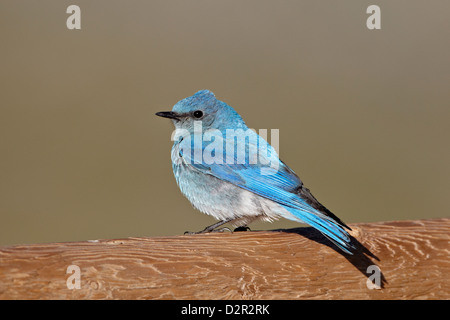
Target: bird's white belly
[(223, 200), (220, 199)]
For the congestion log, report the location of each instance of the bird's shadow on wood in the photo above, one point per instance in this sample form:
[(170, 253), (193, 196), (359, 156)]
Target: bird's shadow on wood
[(362, 257)]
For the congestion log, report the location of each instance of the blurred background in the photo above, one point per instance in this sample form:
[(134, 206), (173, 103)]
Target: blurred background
[(364, 116)]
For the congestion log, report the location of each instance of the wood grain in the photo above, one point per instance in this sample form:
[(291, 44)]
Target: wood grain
[(282, 264)]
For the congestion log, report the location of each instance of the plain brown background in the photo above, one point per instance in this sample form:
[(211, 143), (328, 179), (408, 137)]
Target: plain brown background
[(363, 115)]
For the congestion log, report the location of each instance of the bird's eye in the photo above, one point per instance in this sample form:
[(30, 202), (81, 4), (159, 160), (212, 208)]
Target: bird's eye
[(198, 114)]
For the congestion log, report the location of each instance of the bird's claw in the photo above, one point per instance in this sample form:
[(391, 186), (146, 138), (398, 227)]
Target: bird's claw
[(242, 228)]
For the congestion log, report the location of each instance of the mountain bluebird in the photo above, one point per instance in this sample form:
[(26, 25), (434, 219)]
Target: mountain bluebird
[(228, 171)]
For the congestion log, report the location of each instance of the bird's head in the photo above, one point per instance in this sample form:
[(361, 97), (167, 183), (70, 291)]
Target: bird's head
[(203, 106)]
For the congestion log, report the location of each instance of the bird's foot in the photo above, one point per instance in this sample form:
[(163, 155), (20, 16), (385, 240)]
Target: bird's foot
[(242, 228), (213, 228)]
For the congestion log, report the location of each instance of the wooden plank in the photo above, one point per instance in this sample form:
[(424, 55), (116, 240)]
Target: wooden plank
[(413, 257)]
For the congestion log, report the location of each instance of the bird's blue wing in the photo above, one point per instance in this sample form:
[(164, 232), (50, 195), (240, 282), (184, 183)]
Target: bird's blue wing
[(274, 181)]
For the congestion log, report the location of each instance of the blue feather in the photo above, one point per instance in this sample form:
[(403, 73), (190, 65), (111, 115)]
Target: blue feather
[(278, 186)]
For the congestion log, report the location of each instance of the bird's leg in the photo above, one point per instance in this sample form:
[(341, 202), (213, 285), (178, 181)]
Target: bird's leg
[(212, 227)]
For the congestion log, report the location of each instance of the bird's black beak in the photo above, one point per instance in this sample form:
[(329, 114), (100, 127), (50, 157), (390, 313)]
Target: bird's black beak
[(168, 114)]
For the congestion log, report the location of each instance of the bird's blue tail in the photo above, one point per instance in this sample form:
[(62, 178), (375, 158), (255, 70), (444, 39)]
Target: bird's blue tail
[(327, 226)]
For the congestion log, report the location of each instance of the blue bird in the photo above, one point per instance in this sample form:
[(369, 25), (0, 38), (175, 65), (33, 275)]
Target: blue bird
[(230, 172)]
